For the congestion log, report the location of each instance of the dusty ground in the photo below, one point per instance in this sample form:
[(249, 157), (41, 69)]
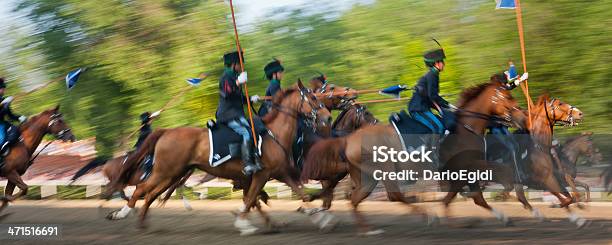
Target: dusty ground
[(211, 223)]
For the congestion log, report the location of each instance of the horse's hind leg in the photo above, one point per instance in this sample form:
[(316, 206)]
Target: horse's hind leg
[(520, 195), (480, 201), (8, 191), (157, 188), (127, 209), (359, 193), (323, 219)]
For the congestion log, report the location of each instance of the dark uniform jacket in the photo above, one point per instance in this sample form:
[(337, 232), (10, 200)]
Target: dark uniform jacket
[(145, 130), (231, 98), (273, 87), (426, 93), (5, 111)]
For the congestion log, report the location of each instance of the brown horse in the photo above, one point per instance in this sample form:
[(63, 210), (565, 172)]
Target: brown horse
[(111, 168), (483, 101), (19, 158), (571, 150), (333, 97), (542, 128), (178, 150), (354, 116)]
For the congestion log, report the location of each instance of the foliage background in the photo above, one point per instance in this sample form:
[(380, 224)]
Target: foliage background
[(143, 51)]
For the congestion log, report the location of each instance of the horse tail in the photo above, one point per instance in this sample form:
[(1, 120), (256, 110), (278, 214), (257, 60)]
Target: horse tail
[(96, 162), (329, 154), (176, 185), (131, 163)]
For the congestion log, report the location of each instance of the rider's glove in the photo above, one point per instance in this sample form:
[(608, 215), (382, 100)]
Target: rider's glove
[(255, 98), (242, 78), (22, 119), (7, 100), (155, 114)]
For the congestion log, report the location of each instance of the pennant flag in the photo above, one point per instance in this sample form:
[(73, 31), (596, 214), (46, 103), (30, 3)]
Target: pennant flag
[(393, 90), (73, 77), (505, 4), (194, 81), (511, 73)]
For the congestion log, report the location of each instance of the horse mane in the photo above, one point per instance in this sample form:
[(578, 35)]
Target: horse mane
[(277, 99), (32, 120), (543, 98), (473, 92)]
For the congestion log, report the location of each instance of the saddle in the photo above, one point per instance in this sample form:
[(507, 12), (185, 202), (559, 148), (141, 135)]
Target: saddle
[(407, 128), (225, 144)]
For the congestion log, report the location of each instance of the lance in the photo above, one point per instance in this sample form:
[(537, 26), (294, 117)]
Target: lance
[(246, 90)]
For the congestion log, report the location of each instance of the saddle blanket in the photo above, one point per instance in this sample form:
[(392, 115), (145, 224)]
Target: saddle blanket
[(412, 133), (225, 144)]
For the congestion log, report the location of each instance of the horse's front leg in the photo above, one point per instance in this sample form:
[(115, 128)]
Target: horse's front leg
[(242, 222), (8, 191), (323, 219), (13, 177)]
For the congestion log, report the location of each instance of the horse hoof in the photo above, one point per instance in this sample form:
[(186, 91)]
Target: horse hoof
[(509, 223), (433, 220), (581, 223), (372, 233)]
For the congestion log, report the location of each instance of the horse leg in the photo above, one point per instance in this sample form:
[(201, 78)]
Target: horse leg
[(242, 223), (8, 191), (14, 178), (359, 193), (328, 197), (480, 201), (323, 219), (551, 184), (520, 194), (127, 209), (158, 187), (587, 189), (394, 194)]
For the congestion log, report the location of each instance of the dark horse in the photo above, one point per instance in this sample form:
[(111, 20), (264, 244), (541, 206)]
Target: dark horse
[(19, 159), (353, 117), (180, 149)]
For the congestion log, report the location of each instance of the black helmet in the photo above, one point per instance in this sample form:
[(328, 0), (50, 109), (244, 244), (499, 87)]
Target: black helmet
[(232, 58), (434, 56), (145, 117), (272, 67)]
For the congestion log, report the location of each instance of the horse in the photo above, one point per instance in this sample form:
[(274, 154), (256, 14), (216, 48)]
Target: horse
[(351, 118), (111, 168), (332, 96), (19, 159), (177, 150), (571, 150), (353, 147), (546, 113)]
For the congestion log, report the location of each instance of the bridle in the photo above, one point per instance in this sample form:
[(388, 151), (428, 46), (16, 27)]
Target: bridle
[(568, 121), (360, 115), (311, 118), (56, 117)]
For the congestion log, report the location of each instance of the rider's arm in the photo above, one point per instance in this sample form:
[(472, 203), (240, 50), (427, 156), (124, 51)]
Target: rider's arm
[(433, 88), (10, 113)]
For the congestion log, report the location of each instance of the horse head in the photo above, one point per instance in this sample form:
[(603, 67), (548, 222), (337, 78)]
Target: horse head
[(332, 96), (558, 111), (492, 100), (56, 125)]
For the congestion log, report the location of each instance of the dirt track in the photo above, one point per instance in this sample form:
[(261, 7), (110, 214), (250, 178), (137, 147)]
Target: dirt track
[(211, 223)]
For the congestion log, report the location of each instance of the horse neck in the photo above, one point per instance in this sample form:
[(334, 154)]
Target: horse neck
[(477, 124), (571, 151), (540, 128), (33, 135), (346, 121), (283, 126)]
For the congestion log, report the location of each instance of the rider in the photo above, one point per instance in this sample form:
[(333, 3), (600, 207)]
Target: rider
[(231, 111), (146, 119), (426, 97), (8, 133), (274, 73)]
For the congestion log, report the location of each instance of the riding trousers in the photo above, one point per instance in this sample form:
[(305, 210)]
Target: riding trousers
[(428, 119), (241, 127), (3, 127)]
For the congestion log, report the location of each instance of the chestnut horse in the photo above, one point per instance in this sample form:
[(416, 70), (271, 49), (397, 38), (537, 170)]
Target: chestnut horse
[(546, 113), (353, 117), (19, 158), (178, 150)]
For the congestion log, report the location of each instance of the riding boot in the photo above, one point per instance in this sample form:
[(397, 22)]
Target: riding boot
[(249, 167)]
